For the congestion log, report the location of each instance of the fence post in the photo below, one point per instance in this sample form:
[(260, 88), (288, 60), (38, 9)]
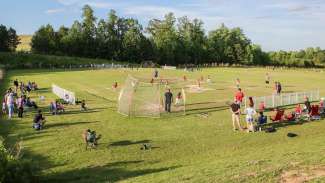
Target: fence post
[(311, 96), (245, 102), (297, 100), (273, 100), (290, 99)]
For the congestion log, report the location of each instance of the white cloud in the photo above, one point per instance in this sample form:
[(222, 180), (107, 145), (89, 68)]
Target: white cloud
[(53, 11)]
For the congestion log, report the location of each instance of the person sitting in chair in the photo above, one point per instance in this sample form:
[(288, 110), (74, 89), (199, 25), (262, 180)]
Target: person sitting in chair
[(314, 113), (60, 107), (291, 116), (278, 116), (298, 111), (39, 121), (30, 103), (261, 120)]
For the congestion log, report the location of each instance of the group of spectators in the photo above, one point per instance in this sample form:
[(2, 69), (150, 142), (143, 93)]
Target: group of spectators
[(16, 100), (308, 112)]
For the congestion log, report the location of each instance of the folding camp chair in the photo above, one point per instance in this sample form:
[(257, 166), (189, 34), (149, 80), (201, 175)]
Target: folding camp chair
[(314, 113), (278, 116)]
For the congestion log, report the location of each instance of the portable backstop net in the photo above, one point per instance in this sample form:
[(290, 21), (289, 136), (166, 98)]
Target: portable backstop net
[(64, 94), (141, 97), (144, 97), (285, 99)]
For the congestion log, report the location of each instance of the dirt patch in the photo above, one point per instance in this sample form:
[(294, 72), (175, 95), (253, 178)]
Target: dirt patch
[(302, 175), (196, 89)]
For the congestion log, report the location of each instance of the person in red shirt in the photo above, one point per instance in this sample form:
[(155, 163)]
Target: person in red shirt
[(261, 106), (298, 110), (239, 96)]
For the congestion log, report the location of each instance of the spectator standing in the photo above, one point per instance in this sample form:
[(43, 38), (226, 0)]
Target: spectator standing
[(168, 100)]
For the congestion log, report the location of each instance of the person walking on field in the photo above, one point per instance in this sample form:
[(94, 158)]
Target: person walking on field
[(10, 105), (16, 84), (156, 73), (235, 115), (267, 79), (168, 100), (238, 83), (279, 88)]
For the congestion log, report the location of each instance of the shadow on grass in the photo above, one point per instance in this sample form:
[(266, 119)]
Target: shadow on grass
[(284, 124), (111, 172), (53, 125), (194, 110), (43, 90), (128, 142), (93, 110)]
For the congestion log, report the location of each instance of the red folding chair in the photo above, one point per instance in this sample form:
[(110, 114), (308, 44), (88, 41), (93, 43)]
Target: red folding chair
[(278, 116)]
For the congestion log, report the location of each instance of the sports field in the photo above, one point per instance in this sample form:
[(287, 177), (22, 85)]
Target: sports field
[(190, 148)]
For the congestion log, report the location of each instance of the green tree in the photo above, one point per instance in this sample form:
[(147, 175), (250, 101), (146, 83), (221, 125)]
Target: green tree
[(73, 40), (8, 39), (88, 31), (164, 36), (14, 40), (44, 41), (192, 40), (4, 38)]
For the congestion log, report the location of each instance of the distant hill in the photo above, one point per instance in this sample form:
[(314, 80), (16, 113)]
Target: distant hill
[(25, 43)]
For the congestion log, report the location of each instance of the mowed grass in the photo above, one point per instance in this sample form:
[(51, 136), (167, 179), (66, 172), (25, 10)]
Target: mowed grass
[(186, 148)]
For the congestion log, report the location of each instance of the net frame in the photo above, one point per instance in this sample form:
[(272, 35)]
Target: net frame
[(129, 103)]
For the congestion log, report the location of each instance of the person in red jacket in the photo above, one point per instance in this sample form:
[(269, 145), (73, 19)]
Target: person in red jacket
[(239, 96)]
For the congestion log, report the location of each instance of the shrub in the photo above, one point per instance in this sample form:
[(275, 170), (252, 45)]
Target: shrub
[(14, 170), (21, 60)]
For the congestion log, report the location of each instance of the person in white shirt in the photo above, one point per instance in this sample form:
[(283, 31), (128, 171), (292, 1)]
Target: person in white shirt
[(10, 104), (250, 113)]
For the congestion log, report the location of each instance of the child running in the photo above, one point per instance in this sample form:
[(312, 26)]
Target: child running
[(238, 83), (178, 99), (114, 86), (267, 79)]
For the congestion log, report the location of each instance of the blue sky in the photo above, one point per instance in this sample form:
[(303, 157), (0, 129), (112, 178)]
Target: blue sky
[(273, 24)]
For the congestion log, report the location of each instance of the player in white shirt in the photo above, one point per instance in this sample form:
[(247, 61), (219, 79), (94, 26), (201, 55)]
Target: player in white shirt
[(250, 113)]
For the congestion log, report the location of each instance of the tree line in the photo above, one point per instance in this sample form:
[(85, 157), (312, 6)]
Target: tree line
[(171, 41), (8, 39)]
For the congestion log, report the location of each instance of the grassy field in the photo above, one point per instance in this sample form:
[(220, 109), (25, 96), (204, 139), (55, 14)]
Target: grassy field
[(186, 148), (25, 41)]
